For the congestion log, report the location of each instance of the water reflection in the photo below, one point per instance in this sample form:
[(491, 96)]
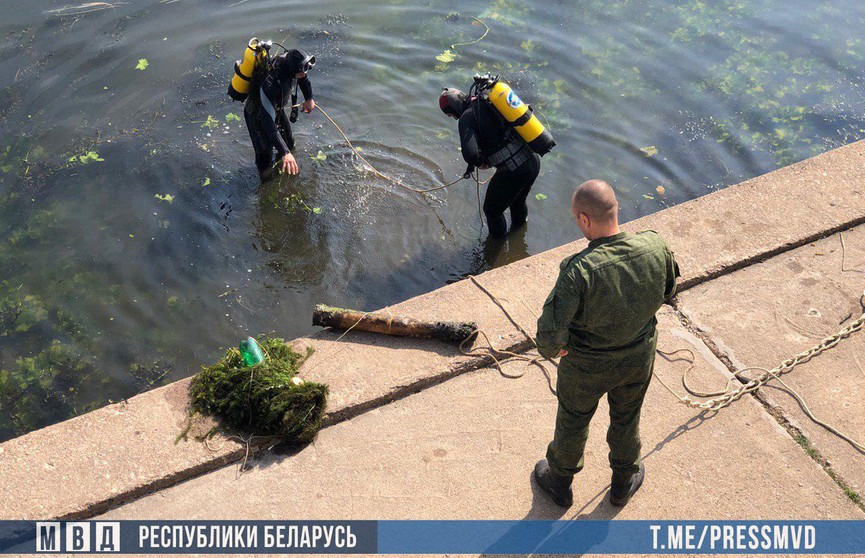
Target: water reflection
[(133, 230)]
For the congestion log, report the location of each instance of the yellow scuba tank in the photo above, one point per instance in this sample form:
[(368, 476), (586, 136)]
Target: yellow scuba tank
[(256, 52), (516, 113)]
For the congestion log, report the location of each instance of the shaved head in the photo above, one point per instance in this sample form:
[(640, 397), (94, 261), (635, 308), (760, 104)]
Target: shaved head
[(596, 199)]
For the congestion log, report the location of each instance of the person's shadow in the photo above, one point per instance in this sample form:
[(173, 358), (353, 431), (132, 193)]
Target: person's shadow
[(544, 509)]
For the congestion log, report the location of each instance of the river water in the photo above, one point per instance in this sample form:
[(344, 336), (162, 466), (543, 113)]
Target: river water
[(136, 242)]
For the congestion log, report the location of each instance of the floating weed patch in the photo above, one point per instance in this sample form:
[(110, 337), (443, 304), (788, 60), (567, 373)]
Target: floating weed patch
[(152, 374), (210, 123), (447, 56), (294, 202), (19, 312), (649, 151), (444, 59), (5, 164), (42, 389), (787, 95), (268, 399), (507, 12), (89, 157)]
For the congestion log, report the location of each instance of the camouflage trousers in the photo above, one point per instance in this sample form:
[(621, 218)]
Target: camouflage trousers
[(624, 376)]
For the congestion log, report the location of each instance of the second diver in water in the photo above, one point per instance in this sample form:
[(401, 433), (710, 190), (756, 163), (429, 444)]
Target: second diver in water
[(489, 139)]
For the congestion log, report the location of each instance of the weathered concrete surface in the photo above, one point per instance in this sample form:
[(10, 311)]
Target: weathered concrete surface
[(464, 450), (769, 312), (766, 215), (761, 217), (99, 455), (83, 466), (711, 235)]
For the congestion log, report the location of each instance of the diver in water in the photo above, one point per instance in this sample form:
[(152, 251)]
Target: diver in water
[(274, 89), (489, 141)]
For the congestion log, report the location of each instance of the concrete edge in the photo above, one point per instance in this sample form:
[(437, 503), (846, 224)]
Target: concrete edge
[(93, 509), (709, 275), (516, 342)]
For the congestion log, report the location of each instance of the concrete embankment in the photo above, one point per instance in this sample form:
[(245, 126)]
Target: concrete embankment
[(464, 447)]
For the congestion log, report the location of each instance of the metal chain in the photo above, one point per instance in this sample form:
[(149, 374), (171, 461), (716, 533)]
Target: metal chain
[(784, 368)]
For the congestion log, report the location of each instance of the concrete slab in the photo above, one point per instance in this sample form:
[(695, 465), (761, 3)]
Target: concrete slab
[(769, 312), (97, 457), (92, 462), (711, 235), (762, 217), (465, 449), (767, 215)]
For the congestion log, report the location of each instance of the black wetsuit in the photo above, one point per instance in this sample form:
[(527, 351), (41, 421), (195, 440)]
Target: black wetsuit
[(482, 133), (266, 118)]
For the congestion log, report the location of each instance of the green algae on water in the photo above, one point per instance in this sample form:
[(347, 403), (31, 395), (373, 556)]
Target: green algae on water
[(268, 399), (36, 391)]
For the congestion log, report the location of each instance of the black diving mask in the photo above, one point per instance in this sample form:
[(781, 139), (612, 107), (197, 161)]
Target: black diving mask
[(307, 63)]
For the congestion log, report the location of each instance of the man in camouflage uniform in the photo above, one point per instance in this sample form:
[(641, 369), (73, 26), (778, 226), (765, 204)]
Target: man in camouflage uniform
[(600, 319)]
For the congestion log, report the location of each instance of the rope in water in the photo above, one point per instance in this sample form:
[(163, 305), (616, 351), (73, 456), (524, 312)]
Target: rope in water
[(386, 177), (476, 41)]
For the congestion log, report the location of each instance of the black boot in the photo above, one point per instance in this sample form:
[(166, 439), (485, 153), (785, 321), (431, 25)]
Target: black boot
[(623, 487), (558, 487)]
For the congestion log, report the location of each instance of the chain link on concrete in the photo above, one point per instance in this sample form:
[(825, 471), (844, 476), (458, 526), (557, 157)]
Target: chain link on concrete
[(785, 367), (720, 400)]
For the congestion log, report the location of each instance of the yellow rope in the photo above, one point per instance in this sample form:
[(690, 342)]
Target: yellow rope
[(476, 41)]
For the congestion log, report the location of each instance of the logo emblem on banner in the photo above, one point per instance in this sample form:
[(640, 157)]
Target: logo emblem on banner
[(48, 536), (77, 536), (513, 100)]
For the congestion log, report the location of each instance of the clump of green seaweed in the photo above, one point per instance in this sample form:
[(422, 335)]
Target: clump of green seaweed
[(268, 399)]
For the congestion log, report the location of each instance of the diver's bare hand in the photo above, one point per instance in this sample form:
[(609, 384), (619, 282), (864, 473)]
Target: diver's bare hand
[(289, 164), (309, 106)]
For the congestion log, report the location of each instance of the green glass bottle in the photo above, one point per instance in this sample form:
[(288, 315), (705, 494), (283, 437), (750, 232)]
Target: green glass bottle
[(251, 352)]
